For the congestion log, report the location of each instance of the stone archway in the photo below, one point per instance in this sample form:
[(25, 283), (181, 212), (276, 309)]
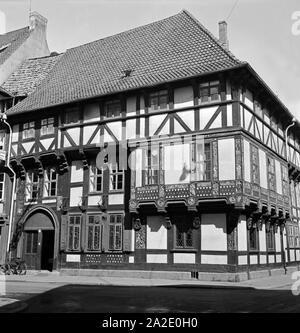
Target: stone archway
[(40, 238)]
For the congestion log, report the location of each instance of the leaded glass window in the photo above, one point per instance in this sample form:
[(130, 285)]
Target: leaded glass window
[(271, 173), (270, 239), (47, 126), (184, 235), (74, 232), (115, 231), (209, 91), (50, 182), (94, 233), (255, 165), (253, 239), (158, 100)]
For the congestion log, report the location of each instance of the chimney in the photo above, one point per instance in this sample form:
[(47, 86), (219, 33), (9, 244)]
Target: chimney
[(37, 21), (223, 34), (2, 23)]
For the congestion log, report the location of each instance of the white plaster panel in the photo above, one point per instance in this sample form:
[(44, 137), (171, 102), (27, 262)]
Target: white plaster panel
[(184, 258), (229, 115), (142, 127), (15, 133), (253, 259), (88, 132), (74, 134), (215, 259), (271, 259), (213, 232), (73, 258), (46, 143), (249, 99), (183, 97), (263, 259), (205, 115), (242, 260), (242, 234), (298, 255), (116, 199), (292, 255), (156, 233), (75, 196), (278, 177), (14, 149), (157, 258), (277, 241), (131, 259), (262, 239), (131, 129), (263, 169), (27, 146), (93, 200), (188, 117), (49, 200), (116, 128), (278, 258), (155, 122), (76, 171), (226, 159)]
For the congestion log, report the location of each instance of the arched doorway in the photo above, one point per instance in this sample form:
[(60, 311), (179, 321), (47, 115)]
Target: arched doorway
[(39, 240)]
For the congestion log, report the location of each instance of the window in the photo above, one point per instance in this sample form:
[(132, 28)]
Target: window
[(28, 130), (31, 242), (271, 173), (50, 181), (152, 167), (253, 239), (184, 235), (203, 162), (32, 185), (116, 178), (74, 229), (285, 180), (47, 126), (96, 179), (115, 232), (158, 100), (94, 233), (72, 116), (112, 109), (254, 165), (258, 109), (2, 140), (2, 177), (209, 91), (270, 239)]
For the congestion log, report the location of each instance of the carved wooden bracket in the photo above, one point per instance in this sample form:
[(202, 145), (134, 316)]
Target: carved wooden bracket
[(62, 163), (84, 159), (39, 166)]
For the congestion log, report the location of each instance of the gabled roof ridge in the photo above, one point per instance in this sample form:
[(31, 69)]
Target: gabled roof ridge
[(214, 39), (14, 31), (125, 31), (49, 56)]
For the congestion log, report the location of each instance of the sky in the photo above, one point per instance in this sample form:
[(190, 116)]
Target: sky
[(261, 32)]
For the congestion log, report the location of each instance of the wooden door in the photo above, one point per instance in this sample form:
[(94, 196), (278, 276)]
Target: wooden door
[(32, 251)]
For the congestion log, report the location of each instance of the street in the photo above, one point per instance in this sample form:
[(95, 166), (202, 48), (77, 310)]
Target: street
[(45, 297)]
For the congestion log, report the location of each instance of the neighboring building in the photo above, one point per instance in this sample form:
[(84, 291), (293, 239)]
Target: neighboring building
[(230, 205)]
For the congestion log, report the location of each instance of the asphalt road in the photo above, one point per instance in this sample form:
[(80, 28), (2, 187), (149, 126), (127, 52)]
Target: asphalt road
[(56, 298)]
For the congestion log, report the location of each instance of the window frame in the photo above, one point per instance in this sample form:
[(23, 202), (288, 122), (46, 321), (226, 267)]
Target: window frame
[(209, 85), (46, 124), (30, 184), (75, 225), (93, 175), (49, 181), (206, 174), (152, 169), (28, 130), (33, 242), (271, 173), (93, 225), (110, 114), (253, 231), (71, 112), (188, 227), (114, 225), (255, 176), (158, 96), (270, 239), (115, 172)]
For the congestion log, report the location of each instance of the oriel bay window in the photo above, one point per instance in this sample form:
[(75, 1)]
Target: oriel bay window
[(50, 182), (94, 233), (158, 100), (116, 178), (151, 172), (115, 232), (209, 91), (28, 130), (254, 164), (271, 173), (202, 161), (74, 232), (96, 179), (47, 126), (32, 185)]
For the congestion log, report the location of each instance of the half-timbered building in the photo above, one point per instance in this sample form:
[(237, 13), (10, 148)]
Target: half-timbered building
[(210, 187)]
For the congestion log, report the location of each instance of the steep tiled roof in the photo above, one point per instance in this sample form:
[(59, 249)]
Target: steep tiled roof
[(29, 75), (170, 49), (10, 41)]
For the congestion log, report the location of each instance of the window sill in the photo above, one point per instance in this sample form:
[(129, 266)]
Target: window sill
[(177, 250)]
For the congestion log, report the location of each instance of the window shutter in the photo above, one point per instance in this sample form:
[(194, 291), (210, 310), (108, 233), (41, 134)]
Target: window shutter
[(63, 233), (127, 233)]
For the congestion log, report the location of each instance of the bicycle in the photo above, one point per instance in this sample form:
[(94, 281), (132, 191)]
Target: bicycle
[(15, 266)]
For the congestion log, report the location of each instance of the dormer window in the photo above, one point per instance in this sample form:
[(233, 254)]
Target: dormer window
[(28, 130), (158, 100), (112, 109), (209, 91)]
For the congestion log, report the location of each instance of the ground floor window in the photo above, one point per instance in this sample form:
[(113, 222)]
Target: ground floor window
[(115, 231), (253, 239), (183, 234), (94, 233), (74, 232), (270, 239)]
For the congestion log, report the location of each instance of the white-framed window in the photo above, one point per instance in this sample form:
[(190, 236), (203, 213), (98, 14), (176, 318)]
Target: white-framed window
[(74, 232), (96, 179), (151, 173), (116, 178), (158, 100), (28, 130), (112, 109), (203, 162), (2, 180), (32, 185), (50, 182), (115, 232), (94, 233), (47, 126)]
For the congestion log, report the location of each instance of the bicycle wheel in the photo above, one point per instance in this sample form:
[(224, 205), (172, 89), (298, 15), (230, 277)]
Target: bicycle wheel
[(8, 269), (22, 268)]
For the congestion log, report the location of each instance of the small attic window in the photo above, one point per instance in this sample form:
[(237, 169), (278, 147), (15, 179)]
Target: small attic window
[(4, 47), (127, 73)]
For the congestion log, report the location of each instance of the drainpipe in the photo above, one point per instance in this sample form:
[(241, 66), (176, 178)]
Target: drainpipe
[(287, 159)]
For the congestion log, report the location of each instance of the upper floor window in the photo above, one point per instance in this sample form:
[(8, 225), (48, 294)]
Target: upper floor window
[(50, 182), (285, 180), (32, 185), (255, 165), (2, 140), (94, 233), (28, 130), (253, 239), (183, 234), (115, 231), (72, 116), (112, 109), (158, 100), (74, 232), (258, 109), (209, 91), (47, 126), (270, 239), (203, 162), (96, 179), (116, 178), (151, 174), (271, 173), (2, 177)]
